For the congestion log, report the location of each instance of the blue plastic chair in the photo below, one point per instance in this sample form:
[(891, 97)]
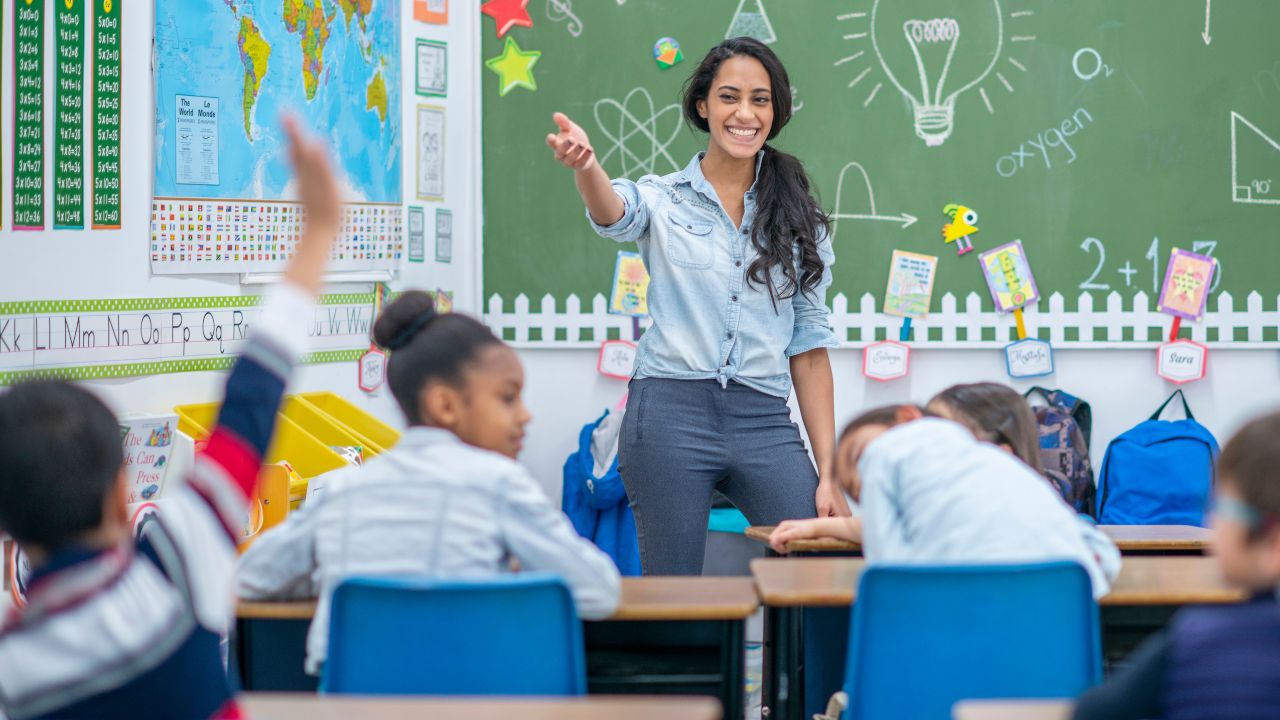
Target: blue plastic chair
[(509, 635), (925, 637)]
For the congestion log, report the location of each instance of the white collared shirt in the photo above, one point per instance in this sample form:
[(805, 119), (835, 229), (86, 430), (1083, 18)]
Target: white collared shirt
[(431, 507), (932, 493)]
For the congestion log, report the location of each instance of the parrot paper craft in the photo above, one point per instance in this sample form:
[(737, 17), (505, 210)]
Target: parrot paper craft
[(960, 228)]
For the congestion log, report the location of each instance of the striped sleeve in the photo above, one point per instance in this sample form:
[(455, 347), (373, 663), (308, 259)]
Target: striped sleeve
[(226, 472)]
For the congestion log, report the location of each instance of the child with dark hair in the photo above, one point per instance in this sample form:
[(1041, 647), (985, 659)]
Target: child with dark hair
[(448, 501), (110, 629), (1220, 662), (931, 492)]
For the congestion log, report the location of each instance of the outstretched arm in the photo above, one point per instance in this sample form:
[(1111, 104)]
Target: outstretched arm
[(573, 150)]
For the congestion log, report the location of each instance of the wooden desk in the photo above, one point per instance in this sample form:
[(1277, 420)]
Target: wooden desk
[(669, 635), (831, 546), (832, 582), (1130, 539), (264, 706), (1012, 710), (1145, 594), (1159, 539)]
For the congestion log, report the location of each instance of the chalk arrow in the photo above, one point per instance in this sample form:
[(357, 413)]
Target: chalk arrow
[(906, 220), (1207, 39)]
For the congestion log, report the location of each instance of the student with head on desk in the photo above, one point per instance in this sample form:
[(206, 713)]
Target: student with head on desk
[(448, 501), (932, 492), (1220, 662), (994, 414)]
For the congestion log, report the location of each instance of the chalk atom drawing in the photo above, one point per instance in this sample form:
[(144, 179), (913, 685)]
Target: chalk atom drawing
[(841, 211), (1255, 185), (637, 135), (751, 20)]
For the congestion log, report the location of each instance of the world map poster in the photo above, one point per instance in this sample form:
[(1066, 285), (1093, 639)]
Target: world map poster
[(226, 72)]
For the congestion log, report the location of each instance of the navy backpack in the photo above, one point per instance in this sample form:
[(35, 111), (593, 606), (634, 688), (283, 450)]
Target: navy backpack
[(1158, 473), (1065, 423)]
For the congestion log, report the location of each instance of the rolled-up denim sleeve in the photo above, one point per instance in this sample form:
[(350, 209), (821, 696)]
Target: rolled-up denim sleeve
[(635, 214), (812, 327)]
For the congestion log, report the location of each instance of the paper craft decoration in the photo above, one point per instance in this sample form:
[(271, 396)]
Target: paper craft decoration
[(148, 450), (630, 294), (961, 227), (1185, 290), (910, 288), (887, 360), (1028, 358), (435, 12), (444, 301), (507, 14), (1182, 361), (1009, 276), (617, 359), (514, 67), (666, 52)]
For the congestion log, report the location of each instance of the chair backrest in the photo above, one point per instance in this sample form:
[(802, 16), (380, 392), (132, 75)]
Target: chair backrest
[(509, 635), (924, 637)]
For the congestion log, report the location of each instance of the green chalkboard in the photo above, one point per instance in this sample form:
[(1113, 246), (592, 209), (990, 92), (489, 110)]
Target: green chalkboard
[(1101, 133)]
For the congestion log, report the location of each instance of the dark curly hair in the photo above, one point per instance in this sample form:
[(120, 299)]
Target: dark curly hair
[(789, 220)]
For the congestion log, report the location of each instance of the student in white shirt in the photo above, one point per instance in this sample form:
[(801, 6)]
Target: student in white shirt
[(930, 491), (448, 500)]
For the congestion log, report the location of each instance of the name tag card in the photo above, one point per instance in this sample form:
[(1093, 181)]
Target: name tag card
[(1182, 361), (1029, 358), (373, 370), (617, 358), (884, 361)]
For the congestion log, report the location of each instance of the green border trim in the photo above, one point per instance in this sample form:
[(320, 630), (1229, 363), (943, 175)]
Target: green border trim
[(162, 367), (217, 302)]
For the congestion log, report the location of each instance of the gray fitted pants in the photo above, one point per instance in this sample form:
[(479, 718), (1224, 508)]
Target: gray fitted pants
[(683, 439)]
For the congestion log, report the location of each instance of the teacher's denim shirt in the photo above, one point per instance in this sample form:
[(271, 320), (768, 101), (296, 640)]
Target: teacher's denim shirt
[(708, 322)]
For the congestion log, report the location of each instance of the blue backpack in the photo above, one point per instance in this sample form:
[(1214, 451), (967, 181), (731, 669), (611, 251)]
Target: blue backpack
[(597, 505), (1158, 473)]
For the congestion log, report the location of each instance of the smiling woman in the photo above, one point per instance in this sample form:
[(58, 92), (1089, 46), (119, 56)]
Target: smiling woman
[(740, 261)]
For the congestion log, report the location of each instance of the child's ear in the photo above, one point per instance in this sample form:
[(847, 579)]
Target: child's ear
[(907, 413), (1270, 556), (441, 403), (115, 507)]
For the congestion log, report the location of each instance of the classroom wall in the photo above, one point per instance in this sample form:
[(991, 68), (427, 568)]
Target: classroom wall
[(564, 392), (114, 264)]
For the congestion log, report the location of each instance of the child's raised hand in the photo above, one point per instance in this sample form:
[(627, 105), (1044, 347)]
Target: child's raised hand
[(321, 203), (571, 145)]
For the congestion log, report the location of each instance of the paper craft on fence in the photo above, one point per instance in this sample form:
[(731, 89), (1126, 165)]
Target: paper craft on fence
[(910, 289), (630, 294), (1185, 290), (1009, 276)]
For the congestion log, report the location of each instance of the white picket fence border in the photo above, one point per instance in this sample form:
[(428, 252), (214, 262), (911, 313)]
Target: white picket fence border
[(1149, 327)]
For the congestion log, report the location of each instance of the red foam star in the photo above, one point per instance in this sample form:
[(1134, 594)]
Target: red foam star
[(507, 13)]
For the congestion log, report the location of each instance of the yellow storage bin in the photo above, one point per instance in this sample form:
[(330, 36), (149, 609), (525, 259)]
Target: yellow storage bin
[(324, 428), (308, 455), (353, 419)]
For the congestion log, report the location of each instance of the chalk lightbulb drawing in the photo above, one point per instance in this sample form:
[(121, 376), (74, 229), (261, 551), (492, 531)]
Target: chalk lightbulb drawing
[(933, 51)]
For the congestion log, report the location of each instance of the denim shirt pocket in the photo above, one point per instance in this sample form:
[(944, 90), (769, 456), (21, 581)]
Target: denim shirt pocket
[(690, 242)]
